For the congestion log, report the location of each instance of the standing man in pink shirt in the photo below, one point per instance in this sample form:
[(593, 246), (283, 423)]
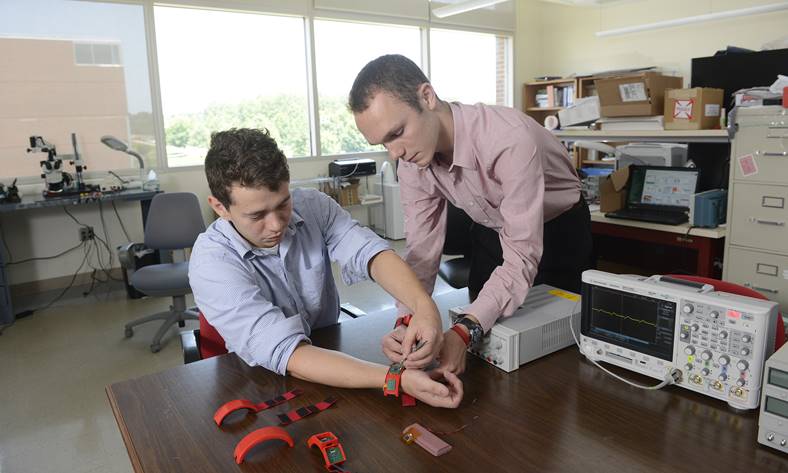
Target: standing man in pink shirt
[(509, 174)]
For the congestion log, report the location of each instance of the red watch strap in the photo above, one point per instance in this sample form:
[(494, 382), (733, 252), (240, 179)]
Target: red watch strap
[(404, 320), (260, 436), (298, 414), (393, 379), (465, 337), (407, 400)]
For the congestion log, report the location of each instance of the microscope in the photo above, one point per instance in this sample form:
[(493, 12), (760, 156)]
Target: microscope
[(57, 181)]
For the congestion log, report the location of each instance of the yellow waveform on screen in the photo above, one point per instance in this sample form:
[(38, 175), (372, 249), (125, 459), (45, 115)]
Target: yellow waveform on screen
[(621, 316)]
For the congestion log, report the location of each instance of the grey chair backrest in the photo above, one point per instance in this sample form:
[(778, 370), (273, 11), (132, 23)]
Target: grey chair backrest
[(174, 221)]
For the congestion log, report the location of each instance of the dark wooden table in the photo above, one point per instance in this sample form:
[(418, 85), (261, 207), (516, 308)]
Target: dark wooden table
[(559, 413)]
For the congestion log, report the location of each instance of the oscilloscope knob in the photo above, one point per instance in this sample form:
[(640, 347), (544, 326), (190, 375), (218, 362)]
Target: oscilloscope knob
[(688, 308), (684, 335), (745, 351), (705, 371), (688, 366), (706, 355), (722, 377), (746, 338), (690, 350), (724, 360), (695, 327), (714, 314), (723, 334), (742, 365), (740, 382)]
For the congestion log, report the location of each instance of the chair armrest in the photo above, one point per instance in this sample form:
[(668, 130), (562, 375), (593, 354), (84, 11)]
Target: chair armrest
[(190, 342), (352, 310)]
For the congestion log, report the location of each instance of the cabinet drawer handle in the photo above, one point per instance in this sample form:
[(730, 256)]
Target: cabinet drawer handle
[(768, 222), (763, 289)]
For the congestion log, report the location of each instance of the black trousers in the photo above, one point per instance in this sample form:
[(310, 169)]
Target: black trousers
[(567, 240)]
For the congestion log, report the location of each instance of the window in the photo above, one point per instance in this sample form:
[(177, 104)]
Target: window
[(470, 67), (341, 50), (220, 70), (73, 67)]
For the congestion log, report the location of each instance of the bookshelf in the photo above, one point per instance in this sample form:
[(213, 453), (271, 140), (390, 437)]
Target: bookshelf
[(544, 98)]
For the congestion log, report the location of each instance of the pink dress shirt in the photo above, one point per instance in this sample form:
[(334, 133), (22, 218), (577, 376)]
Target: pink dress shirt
[(508, 173)]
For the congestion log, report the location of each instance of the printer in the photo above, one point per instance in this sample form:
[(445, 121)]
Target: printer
[(651, 154)]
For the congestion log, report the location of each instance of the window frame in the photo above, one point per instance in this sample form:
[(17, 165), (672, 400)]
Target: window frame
[(305, 10)]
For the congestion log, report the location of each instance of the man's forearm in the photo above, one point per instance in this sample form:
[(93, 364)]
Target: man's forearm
[(396, 277), (334, 368)]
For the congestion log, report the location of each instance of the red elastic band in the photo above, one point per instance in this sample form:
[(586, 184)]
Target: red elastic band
[(465, 337)]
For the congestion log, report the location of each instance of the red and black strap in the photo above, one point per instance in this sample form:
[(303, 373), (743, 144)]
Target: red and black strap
[(298, 414), (279, 399)]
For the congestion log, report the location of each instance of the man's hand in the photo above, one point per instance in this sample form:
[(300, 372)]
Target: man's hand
[(452, 355), (392, 343), (425, 388), (424, 326)]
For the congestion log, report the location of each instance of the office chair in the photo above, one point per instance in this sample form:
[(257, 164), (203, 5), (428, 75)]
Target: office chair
[(456, 271), (174, 222), (206, 342), (725, 286)]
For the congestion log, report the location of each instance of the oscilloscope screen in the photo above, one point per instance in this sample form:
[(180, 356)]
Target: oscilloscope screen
[(631, 321)]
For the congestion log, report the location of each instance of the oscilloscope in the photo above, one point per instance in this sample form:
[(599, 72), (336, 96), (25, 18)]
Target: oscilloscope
[(719, 341)]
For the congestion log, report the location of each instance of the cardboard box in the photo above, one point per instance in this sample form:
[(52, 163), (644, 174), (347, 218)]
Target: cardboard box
[(612, 191), (693, 109), (585, 110), (635, 95)]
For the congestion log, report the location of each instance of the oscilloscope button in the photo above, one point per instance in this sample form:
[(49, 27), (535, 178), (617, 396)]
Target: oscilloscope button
[(688, 308), (706, 355), (690, 350), (742, 365), (724, 360)]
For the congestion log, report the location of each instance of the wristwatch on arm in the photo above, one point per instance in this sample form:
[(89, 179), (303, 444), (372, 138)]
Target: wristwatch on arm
[(475, 331)]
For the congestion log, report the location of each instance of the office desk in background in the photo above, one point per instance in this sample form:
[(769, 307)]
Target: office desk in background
[(556, 414), (32, 202), (706, 243)]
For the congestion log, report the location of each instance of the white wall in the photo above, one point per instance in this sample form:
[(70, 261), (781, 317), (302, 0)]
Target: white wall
[(567, 44)]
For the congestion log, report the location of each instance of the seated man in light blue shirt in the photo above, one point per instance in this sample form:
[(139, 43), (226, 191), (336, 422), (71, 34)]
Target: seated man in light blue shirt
[(261, 274)]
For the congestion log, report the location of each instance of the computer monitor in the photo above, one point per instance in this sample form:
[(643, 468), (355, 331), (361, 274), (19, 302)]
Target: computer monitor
[(663, 188)]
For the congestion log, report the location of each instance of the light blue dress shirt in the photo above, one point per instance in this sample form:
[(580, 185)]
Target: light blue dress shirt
[(265, 304)]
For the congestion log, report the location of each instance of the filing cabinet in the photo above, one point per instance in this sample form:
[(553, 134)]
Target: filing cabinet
[(756, 248)]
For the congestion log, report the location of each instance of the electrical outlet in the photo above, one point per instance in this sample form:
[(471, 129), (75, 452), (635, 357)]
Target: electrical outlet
[(86, 233)]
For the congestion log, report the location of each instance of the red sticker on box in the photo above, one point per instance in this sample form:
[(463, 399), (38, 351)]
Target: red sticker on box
[(747, 165), (683, 109)]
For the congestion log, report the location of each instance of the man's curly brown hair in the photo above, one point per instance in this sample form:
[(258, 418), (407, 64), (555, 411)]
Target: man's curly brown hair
[(247, 157)]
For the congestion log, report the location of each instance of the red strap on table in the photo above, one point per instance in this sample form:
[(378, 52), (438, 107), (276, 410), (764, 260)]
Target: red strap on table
[(238, 404), (465, 337), (298, 414)]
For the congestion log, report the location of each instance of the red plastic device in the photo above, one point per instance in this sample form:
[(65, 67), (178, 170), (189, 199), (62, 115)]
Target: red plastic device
[(333, 453), (259, 436), (237, 404)]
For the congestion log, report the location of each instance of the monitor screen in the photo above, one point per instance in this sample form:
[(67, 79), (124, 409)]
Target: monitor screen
[(662, 187), (632, 321)]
